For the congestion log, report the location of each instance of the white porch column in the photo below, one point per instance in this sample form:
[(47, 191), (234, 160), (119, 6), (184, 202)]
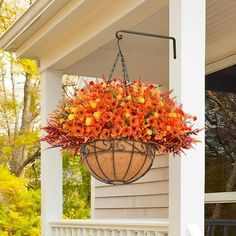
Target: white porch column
[(186, 174), (51, 161)]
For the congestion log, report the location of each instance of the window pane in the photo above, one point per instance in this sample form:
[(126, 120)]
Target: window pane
[(220, 141), (220, 219), (220, 211)]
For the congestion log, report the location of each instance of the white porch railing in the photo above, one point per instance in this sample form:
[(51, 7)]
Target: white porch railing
[(110, 227)]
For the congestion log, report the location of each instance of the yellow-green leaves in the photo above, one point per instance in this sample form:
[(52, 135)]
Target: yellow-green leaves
[(27, 138), (19, 207)]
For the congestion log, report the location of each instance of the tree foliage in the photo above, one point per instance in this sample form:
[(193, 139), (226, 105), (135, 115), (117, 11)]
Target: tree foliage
[(19, 206), (19, 101), (76, 188)]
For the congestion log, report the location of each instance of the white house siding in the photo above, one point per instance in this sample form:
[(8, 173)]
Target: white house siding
[(146, 198)]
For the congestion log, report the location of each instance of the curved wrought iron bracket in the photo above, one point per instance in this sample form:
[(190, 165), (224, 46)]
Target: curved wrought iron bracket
[(119, 36)]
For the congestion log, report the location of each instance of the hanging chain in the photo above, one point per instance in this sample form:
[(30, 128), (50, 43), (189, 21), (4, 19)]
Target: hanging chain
[(113, 67), (123, 65), (124, 69)]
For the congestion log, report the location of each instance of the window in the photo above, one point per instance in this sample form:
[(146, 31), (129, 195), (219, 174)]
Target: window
[(220, 151)]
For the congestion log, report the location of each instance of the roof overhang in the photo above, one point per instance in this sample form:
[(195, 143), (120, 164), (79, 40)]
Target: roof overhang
[(77, 36)]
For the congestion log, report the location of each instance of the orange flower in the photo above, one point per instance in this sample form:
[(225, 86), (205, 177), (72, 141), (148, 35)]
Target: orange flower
[(101, 107), (113, 104), (118, 121), (105, 134), (95, 130), (146, 137), (159, 136), (152, 121), (78, 131), (116, 131), (126, 131), (129, 106), (68, 124), (107, 116), (135, 131), (134, 121), (81, 113)]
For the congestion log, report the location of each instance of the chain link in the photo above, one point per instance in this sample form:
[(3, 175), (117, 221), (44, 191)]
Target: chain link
[(123, 65), (113, 67)]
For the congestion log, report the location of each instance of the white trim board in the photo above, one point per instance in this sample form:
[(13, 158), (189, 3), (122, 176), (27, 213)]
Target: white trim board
[(220, 197)]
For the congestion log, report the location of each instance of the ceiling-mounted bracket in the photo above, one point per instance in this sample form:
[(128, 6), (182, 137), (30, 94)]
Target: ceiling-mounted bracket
[(119, 36)]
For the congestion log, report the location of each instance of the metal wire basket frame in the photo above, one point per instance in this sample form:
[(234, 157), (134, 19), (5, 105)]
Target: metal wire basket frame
[(118, 161)]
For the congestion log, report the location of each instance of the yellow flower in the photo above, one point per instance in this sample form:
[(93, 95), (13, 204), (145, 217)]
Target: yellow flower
[(88, 121), (97, 100), (93, 104), (156, 114), (71, 117), (119, 97), (172, 115), (149, 132), (73, 109), (120, 89), (127, 115), (67, 109), (128, 98), (135, 88), (97, 115), (141, 100), (61, 120), (156, 91)]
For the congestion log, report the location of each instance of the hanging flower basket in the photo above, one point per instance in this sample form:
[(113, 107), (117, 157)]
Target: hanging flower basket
[(117, 126)]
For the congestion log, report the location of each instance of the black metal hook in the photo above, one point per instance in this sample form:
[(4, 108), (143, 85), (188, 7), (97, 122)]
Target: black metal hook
[(119, 37)]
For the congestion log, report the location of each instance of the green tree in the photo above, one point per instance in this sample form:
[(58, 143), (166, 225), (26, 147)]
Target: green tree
[(76, 188), (19, 206), (19, 115)]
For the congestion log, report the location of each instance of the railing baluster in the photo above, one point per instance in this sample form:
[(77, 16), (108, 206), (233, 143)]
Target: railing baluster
[(129, 233), (57, 233), (73, 232), (68, 231), (79, 232), (105, 232), (84, 232), (93, 232), (158, 234), (213, 227), (139, 233), (225, 231), (123, 233)]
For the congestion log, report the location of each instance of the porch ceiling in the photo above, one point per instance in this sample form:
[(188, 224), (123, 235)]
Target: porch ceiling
[(145, 57), (77, 37)]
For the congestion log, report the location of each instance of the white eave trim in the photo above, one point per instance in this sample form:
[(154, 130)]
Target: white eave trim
[(34, 16), (221, 63)]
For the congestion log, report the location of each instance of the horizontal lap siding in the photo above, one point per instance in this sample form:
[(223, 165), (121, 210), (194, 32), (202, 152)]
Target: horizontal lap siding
[(132, 213), (146, 198)]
